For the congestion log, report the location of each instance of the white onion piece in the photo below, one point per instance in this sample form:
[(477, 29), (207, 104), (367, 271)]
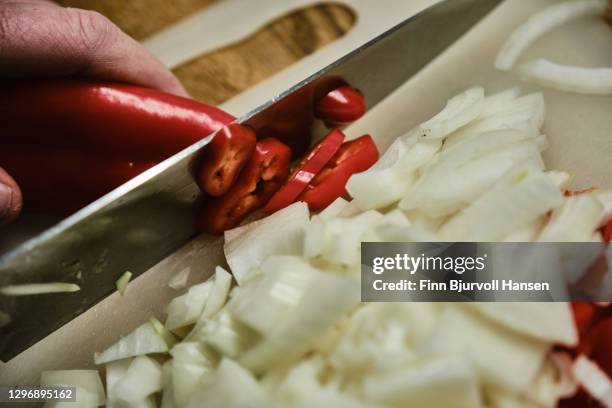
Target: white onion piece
[(459, 111), (574, 221), (594, 380), (190, 361), (281, 233), (142, 379), (115, 370), (167, 400), (86, 381), (165, 334), (560, 178), (38, 288), (524, 195), (502, 358), (499, 102), (143, 340), (551, 322), (185, 309), (334, 209), (123, 281), (179, 280), (541, 22), (595, 81), (441, 381), (229, 386), (291, 312)]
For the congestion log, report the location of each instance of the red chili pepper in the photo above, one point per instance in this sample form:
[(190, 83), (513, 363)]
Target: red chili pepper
[(353, 157), (598, 345), (584, 316), (91, 137), (224, 157), (263, 175), (606, 232), (580, 400), (305, 171), (341, 106), (61, 181), (117, 120)]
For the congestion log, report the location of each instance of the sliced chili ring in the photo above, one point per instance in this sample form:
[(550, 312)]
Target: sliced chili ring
[(341, 106), (262, 176), (306, 170), (224, 158), (353, 157)]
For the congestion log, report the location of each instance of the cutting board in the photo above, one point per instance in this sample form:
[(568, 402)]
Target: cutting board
[(216, 76)]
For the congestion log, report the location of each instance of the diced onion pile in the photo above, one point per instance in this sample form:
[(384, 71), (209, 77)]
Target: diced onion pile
[(293, 333), (548, 73)]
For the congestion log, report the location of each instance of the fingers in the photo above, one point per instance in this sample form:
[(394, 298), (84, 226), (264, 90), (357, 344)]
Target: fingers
[(41, 39), (10, 198)]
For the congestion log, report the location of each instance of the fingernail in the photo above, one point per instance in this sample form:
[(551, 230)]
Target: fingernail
[(6, 198)]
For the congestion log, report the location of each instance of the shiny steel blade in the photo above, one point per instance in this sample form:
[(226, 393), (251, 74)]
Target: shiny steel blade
[(140, 223)]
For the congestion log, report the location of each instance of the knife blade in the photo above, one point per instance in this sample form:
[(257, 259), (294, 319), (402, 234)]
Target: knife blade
[(143, 221)]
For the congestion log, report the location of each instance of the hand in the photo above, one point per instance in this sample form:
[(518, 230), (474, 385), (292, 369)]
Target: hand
[(38, 38)]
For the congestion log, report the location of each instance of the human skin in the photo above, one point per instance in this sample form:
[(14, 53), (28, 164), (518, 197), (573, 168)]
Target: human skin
[(40, 39)]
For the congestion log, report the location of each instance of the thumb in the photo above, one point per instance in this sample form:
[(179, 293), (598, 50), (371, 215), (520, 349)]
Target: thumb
[(10, 198)]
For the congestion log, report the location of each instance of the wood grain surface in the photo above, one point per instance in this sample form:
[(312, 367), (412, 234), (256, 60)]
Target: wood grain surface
[(217, 76)]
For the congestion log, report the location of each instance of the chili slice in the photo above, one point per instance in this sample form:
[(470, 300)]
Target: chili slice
[(305, 171), (263, 175), (224, 158), (353, 157), (341, 106)]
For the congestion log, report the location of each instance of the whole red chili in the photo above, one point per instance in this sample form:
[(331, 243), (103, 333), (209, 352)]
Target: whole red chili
[(68, 142), (63, 181), (116, 120), (341, 106), (262, 176), (224, 157)]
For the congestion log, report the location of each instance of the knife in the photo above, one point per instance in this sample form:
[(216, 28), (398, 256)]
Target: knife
[(143, 221)]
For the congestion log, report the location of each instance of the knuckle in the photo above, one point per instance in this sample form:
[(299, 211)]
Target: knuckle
[(93, 30)]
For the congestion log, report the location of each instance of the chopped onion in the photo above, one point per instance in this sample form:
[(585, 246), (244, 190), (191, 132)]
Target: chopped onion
[(597, 81), (459, 111), (560, 178), (502, 358), (179, 280), (38, 288), (141, 380), (594, 380), (229, 386), (574, 221), (167, 400), (281, 233), (550, 322), (190, 361), (115, 370), (445, 381), (524, 195), (87, 383), (184, 310), (123, 281), (165, 334), (541, 22), (143, 340), (293, 312)]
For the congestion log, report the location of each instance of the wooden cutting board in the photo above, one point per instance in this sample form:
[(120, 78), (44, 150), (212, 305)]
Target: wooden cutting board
[(217, 76)]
